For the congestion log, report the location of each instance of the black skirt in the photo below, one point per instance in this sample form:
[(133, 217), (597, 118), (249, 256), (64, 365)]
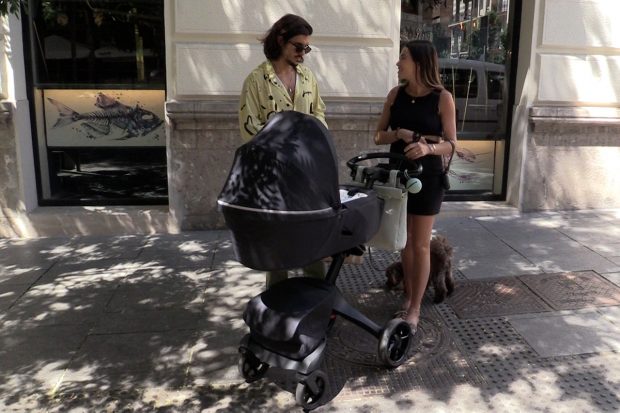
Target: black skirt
[(428, 200)]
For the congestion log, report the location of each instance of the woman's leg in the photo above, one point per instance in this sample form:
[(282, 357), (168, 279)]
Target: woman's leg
[(274, 277), (417, 262), (315, 270)]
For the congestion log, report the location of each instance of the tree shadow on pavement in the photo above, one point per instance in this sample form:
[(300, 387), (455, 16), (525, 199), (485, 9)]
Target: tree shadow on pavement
[(153, 324)]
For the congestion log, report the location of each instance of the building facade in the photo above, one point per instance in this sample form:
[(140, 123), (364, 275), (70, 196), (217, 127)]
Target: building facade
[(123, 119)]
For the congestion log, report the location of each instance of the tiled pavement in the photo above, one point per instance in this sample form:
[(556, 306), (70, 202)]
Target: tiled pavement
[(152, 323)]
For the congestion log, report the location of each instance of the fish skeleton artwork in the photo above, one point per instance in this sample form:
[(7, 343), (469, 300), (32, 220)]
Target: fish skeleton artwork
[(134, 121)]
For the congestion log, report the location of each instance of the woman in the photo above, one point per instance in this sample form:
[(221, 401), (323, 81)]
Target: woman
[(419, 106)]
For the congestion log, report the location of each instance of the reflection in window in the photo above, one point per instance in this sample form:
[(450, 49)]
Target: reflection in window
[(462, 83), (98, 41), (495, 82)]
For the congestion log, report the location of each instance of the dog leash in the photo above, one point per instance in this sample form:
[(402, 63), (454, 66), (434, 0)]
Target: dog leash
[(373, 264)]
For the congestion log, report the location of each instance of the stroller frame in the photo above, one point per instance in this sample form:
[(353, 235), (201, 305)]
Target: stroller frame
[(312, 388), (394, 339)]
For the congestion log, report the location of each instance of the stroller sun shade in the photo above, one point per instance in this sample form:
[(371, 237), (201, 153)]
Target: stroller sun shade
[(290, 165), (281, 199)]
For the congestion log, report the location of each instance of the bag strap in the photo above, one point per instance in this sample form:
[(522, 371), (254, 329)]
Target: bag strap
[(451, 154)]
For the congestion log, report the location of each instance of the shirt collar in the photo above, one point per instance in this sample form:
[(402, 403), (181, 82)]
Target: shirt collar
[(271, 73)]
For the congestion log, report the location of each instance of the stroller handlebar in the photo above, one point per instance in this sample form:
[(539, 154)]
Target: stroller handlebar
[(382, 172)]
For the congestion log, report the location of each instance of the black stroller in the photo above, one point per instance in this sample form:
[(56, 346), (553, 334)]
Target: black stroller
[(282, 203)]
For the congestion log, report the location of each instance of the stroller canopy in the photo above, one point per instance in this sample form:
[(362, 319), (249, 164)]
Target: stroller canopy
[(290, 165)]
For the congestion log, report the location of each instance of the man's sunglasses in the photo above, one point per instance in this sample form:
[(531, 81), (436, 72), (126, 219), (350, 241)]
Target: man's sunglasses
[(301, 47)]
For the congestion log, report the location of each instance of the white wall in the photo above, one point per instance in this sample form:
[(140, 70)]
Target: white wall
[(17, 96), (579, 53), (213, 45), (568, 86)]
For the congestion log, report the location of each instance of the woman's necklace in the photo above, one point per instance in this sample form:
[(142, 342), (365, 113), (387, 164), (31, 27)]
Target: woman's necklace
[(414, 97)]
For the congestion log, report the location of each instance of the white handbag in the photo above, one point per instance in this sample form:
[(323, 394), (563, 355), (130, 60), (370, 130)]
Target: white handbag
[(392, 234)]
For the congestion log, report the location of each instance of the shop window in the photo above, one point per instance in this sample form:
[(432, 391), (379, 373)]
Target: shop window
[(471, 38), (98, 76)]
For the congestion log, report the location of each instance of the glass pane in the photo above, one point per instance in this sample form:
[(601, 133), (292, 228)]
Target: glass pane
[(79, 175), (98, 42), (98, 68), (471, 39)]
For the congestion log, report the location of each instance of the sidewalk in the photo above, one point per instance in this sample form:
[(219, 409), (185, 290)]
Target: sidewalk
[(152, 323)]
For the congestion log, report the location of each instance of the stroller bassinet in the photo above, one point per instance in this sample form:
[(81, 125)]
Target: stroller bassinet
[(281, 199)]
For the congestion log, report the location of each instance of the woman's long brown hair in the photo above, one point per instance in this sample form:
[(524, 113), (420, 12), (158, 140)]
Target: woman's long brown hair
[(423, 53)]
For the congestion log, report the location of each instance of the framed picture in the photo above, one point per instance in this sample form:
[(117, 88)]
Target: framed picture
[(104, 118)]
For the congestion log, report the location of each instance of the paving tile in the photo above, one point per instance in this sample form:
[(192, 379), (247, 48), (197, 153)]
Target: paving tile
[(76, 299), (143, 291), (143, 359), (572, 290), (483, 248), (214, 357), (560, 335), (21, 393), (611, 314), (495, 266), (604, 249), (594, 233), (615, 260), (562, 258), (17, 274), (180, 251), (476, 244), (95, 271), (614, 277), (88, 249), (38, 351), (9, 293), (25, 254), (128, 321), (520, 232)]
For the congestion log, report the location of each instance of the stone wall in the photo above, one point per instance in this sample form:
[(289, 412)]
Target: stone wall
[(573, 159), (9, 182), (203, 136)]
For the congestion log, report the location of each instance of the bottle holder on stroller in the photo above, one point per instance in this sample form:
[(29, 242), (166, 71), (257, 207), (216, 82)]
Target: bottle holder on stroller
[(283, 205)]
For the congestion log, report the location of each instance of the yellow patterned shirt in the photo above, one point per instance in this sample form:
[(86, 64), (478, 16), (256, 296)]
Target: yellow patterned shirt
[(263, 95)]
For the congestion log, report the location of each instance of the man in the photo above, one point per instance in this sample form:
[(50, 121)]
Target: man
[(282, 83)]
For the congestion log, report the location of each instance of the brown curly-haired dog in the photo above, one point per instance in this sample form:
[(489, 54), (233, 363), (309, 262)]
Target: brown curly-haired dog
[(441, 269)]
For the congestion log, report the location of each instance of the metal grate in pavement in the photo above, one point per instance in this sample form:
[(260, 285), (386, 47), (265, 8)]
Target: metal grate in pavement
[(564, 379), (494, 298), (369, 274), (435, 359), (504, 359), (488, 339), (573, 290)]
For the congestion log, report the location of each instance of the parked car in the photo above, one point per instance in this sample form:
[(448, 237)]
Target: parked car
[(478, 91)]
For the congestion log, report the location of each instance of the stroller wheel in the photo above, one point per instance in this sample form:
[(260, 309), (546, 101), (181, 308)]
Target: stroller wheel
[(394, 343), (250, 367), (311, 392)]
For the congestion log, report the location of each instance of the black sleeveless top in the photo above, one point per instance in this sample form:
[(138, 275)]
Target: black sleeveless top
[(420, 114)]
